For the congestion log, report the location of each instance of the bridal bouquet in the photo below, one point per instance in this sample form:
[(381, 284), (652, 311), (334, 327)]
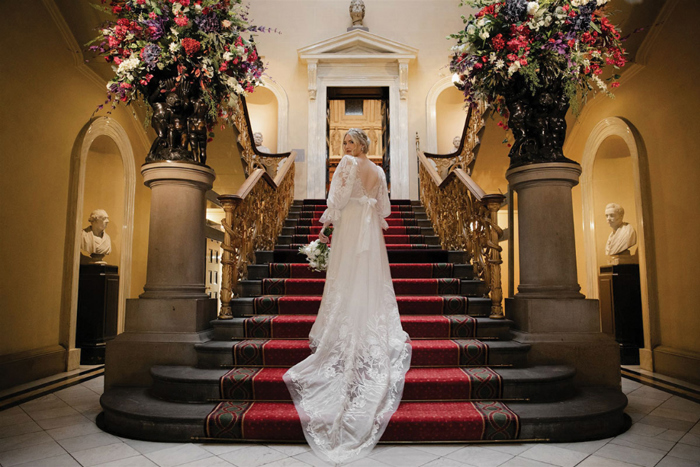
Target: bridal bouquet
[(317, 253), (536, 43)]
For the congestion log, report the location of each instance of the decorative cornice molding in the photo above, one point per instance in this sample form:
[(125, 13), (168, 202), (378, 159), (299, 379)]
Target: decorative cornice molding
[(642, 56), (357, 45)]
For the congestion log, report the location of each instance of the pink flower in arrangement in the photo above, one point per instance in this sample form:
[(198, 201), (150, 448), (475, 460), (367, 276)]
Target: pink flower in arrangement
[(117, 60), (140, 2), (253, 56), (224, 66), (478, 66), (113, 41), (116, 9), (181, 21), (191, 46), (615, 84), (152, 15)]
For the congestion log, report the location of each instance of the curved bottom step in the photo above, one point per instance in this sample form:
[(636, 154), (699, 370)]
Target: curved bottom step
[(594, 413)]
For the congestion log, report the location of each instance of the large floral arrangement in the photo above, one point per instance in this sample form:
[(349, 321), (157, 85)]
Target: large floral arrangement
[(205, 42), (534, 44)]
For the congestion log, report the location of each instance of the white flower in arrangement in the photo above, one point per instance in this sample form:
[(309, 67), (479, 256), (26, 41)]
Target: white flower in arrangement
[(174, 31), (317, 255), (240, 49), (228, 56), (128, 65), (174, 47), (500, 64), (515, 66), (177, 7), (109, 85), (198, 7), (471, 29), (484, 34), (559, 13), (492, 57), (602, 2), (232, 83), (532, 8)]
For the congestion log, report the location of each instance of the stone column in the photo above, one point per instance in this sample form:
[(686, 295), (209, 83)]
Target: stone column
[(173, 314), (549, 312), (176, 239), (546, 226)]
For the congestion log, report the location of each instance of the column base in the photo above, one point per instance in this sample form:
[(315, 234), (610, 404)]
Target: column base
[(158, 332), (567, 331)]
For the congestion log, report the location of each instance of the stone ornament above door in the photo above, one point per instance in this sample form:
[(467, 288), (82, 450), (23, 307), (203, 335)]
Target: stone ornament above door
[(358, 46)]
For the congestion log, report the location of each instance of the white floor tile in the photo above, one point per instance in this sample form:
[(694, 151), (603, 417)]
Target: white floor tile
[(675, 414), (597, 461), (693, 440), (671, 435), (438, 449), (669, 461), (554, 455), (28, 454), (64, 460), (444, 462), (81, 443), (404, 456), (479, 457), (136, 461), (668, 423), (72, 431), (645, 457), (646, 430), (13, 430), (291, 462), (685, 451), (253, 456), (24, 441), (514, 449), (147, 447), (290, 449), (696, 429), (310, 458), (61, 422), (678, 403), (76, 394), (632, 440), (587, 447), (104, 454), (208, 462), (628, 385), (218, 449), (178, 454), (524, 462), (47, 402), (15, 417), (57, 412), (650, 393), (96, 385)]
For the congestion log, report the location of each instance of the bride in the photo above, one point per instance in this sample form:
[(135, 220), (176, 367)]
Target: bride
[(347, 390)]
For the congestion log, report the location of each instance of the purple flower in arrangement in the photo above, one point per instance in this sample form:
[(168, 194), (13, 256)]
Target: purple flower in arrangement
[(514, 10), (208, 23), (583, 21), (150, 55), (156, 27)]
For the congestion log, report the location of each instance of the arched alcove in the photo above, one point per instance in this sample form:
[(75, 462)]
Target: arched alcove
[(263, 110), (431, 144), (615, 145), (98, 137), (450, 118)]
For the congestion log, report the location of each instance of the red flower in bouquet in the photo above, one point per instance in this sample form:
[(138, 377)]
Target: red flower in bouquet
[(191, 46)]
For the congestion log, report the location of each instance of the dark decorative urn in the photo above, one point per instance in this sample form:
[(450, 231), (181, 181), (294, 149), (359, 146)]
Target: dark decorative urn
[(538, 122), (180, 119)]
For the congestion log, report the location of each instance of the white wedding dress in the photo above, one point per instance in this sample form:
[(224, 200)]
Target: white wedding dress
[(347, 390)]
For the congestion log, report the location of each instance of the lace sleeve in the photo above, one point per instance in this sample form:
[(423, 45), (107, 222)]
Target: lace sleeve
[(383, 202), (341, 189)]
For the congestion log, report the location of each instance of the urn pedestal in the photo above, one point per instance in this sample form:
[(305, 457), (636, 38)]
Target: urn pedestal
[(165, 323)]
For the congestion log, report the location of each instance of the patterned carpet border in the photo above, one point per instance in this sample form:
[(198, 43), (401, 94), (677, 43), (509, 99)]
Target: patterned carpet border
[(500, 422)]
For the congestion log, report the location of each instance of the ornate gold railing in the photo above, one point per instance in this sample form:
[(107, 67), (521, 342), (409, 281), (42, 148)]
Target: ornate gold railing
[(254, 219), (463, 216), (255, 214)]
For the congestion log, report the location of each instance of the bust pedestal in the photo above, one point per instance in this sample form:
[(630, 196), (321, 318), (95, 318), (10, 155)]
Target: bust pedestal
[(98, 304), (621, 309), (163, 325)]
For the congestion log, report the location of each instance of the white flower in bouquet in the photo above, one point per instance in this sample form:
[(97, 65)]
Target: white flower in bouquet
[(317, 253)]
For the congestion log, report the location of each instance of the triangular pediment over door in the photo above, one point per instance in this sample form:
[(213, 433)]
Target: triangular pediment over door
[(355, 59)]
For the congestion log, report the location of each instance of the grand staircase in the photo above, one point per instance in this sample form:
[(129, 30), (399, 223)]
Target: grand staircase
[(468, 380)]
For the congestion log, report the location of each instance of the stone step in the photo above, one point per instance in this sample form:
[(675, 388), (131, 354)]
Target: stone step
[(446, 286), (324, 206), (410, 305), (417, 327), (426, 353), (316, 215), (301, 202), (398, 270), (392, 230), (593, 413), (538, 383), (395, 256)]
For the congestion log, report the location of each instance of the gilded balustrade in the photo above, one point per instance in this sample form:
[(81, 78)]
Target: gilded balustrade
[(254, 219), (463, 216)]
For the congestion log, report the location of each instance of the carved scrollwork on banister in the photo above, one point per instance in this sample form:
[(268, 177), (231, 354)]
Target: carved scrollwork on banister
[(250, 156), (465, 218), (464, 156), (254, 219)]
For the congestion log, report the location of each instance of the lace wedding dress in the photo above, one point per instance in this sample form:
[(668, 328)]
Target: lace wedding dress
[(347, 390)]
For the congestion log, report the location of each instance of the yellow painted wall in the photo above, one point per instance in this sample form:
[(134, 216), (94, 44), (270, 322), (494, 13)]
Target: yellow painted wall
[(262, 108), (46, 101)]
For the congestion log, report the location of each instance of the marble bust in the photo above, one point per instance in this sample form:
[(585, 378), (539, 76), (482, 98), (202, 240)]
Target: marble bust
[(623, 236), (456, 141), (357, 14), (258, 140), (95, 242)]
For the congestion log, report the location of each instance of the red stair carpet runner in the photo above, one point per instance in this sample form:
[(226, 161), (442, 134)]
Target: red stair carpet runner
[(451, 391)]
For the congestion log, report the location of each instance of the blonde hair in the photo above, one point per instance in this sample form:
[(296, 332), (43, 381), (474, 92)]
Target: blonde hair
[(358, 136)]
